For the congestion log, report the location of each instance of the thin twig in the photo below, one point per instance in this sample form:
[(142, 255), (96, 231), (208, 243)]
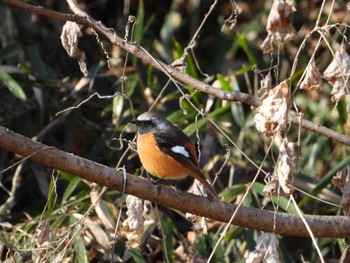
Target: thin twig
[(308, 229), (120, 213)]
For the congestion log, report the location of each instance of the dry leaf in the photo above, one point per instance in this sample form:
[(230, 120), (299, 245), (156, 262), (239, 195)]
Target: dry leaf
[(345, 200), (69, 39), (342, 181), (272, 114), (183, 254), (99, 238), (281, 177), (265, 85), (133, 226), (265, 250), (101, 210), (345, 257), (148, 211), (42, 233), (312, 79), (267, 45), (197, 189), (279, 26), (199, 222), (211, 99), (337, 74), (341, 178)]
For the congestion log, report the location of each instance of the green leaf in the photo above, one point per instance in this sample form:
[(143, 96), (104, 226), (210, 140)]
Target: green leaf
[(137, 34), (281, 201), (232, 192), (51, 202), (192, 128), (118, 103), (224, 83), (243, 70), (136, 255), (244, 45), (58, 220), (191, 68), (342, 111), (176, 49), (13, 86), (168, 233), (66, 176), (132, 82), (70, 188), (80, 254), (139, 23), (325, 180)]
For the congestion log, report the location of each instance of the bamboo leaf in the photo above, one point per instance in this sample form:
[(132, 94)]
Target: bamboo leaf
[(13, 86)]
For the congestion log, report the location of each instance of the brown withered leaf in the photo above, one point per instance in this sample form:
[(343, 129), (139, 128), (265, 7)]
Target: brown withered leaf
[(133, 226), (345, 199), (345, 257), (342, 181), (265, 250), (43, 240), (282, 176), (271, 116), (267, 45), (199, 222), (279, 24), (42, 233), (265, 85), (94, 233), (337, 74), (312, 79), (101, 210), (69, 39), (341, 177)]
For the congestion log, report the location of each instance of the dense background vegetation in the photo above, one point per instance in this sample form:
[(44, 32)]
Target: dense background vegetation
[(33, 197)]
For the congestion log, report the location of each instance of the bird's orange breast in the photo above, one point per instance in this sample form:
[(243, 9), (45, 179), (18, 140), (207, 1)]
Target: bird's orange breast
[(158, 163)]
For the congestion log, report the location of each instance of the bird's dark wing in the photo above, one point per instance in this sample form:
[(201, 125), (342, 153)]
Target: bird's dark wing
[(167, 139), (170, 142)]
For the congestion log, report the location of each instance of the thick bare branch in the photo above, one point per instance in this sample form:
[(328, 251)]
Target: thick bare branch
[(279, 223), (84, 19)]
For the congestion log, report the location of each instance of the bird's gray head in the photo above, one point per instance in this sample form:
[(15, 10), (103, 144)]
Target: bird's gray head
[(150, 121)]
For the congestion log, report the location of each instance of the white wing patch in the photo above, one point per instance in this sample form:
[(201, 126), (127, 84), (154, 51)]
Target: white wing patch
[(181, 150)]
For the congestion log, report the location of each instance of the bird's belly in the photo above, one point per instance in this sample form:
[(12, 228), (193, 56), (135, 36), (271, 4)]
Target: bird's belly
[(158, 163)]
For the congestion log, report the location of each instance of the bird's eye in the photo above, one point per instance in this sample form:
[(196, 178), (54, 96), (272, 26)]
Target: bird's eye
[(146, 124)]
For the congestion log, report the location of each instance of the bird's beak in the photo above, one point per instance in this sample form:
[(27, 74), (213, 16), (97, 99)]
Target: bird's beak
[(135, 121)]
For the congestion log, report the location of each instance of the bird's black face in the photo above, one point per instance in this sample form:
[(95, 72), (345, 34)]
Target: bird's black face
[(150, 121), (144, 126)]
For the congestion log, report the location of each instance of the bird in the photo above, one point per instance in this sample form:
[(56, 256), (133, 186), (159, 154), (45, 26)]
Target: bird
[(167, 153)]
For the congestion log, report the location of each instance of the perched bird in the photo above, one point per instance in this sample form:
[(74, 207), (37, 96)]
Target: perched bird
[(167, 153)]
